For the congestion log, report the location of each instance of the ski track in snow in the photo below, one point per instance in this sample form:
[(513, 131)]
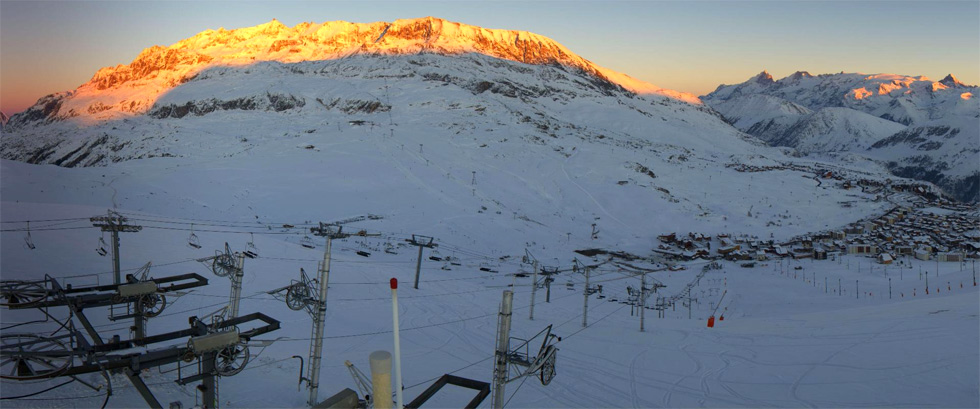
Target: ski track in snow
[(572, 181)]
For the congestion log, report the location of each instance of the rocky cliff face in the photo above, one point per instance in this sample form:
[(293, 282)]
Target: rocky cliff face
[(126, 90)]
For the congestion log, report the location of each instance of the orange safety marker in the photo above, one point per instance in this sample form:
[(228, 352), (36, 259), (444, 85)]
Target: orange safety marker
[(711, 321)]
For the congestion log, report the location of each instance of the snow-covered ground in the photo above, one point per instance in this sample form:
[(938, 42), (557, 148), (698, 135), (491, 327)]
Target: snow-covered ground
[(786, 341)]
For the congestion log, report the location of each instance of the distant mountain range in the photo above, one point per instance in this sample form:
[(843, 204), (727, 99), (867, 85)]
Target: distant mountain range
[(918, 128)]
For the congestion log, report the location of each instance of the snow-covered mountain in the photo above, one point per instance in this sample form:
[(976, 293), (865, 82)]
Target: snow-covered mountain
[(127, 90), (434, 107), (919, 128), (835, 129)]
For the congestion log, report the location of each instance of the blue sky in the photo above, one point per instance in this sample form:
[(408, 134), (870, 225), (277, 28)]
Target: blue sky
[(50, 46)]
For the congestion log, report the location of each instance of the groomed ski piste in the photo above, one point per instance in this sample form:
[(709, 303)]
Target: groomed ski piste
[(795, 333)]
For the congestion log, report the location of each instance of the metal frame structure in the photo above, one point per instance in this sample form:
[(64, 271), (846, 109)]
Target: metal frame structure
[(529, 258), (219, 349), (511, 364), (114, 223), (232, 265), (586, 291), (482, 388), (422, 242), (146, 296), (311, 295)]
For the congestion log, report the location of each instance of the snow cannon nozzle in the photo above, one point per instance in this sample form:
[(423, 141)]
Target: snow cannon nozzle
[(394, 283)]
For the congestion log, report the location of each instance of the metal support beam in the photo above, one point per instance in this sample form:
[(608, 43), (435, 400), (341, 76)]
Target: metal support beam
[(236, 287), (643, 299), (422, 243), (418, 268), (318, 321), (116, 279), (534, 281), (209, 385), (144, 391), (114, 223), (585, 303)]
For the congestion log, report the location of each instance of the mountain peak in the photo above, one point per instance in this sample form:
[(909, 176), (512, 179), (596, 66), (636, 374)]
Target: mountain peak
[(800, 74), (763, 78), (951, 81)]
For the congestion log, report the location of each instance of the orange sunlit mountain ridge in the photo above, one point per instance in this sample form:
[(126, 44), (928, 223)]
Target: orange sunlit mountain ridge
[(125, 90)]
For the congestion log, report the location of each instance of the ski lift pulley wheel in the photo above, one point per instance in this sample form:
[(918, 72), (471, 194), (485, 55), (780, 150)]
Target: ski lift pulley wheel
[(153, 304), (548, 367), (297, 296), (232, 360), (20, 293), (223, 265), (27, 357)]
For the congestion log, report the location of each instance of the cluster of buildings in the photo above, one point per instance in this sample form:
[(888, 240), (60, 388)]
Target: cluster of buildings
[(947, 233)]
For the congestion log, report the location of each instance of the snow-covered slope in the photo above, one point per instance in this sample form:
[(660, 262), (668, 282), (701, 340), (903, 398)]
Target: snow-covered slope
[(942, 116), (836, 130), (763, 116)]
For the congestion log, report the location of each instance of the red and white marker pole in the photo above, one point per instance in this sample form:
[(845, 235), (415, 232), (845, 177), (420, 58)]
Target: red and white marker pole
[(398, 351)]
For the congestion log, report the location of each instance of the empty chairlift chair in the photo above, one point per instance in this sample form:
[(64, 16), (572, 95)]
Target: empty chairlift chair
[(101, 247), (192, 240), (307, 242), (250, 250), (28, 241)]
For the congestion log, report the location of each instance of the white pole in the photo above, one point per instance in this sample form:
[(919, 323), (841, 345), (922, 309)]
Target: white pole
[(502, 348), (398, 351)]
